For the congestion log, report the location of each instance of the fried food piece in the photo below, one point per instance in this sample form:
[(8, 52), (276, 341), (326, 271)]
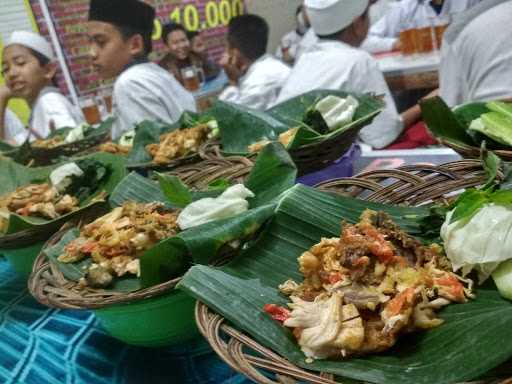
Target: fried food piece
[(115, 148)]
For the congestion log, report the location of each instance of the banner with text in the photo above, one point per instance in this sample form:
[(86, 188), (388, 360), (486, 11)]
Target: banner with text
[(208, 16)]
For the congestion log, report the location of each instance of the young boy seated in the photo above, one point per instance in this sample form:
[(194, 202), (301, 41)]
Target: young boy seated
[(120, 35), (255, 77)]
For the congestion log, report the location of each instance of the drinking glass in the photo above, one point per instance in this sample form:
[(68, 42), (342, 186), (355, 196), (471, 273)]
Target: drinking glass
[(408, 39), (90, 110), (193, 78)]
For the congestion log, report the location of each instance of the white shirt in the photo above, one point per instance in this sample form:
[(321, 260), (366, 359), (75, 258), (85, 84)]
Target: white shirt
[(477, 64), (53, 108), (148, 92), (15, 131), (260, 86), (338, 66), (408, 14), (291, 41), (308, 40)]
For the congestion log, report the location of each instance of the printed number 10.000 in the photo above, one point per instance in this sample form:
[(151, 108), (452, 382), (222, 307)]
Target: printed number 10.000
[(216, 14)]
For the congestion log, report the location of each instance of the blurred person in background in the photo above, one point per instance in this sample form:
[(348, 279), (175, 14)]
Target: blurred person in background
[(336, 62), (29, 73), (287, 49), (406, 14), (255, 77), (185, 50), (120, 43), (476, 55)]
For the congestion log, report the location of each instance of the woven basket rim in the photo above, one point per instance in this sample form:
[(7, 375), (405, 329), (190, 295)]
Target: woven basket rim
[(242, 353), (76, 146), (46, 275), (466, 149)]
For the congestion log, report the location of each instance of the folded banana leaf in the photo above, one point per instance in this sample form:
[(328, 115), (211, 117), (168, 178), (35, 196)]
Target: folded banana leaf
[(473, 340), (453, 125), (5, 147), (103, 128), (13, 175), (27, 153), (148, 132), (293, 111), (241, 126), (273, 173)]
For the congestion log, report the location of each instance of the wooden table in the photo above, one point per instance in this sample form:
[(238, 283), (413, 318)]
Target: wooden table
[(410, 72)]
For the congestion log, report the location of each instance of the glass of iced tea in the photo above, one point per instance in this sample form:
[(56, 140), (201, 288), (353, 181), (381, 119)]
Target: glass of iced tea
[(440, 27), (193, 78), (408, 41), (91, 111), (425, 39)]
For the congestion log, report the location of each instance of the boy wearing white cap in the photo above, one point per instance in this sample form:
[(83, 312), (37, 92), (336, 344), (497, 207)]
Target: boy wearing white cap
[(120, 35), (337, 63), (29, 74)]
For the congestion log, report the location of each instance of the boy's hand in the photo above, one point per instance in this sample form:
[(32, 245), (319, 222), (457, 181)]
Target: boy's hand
[(5, 93), (229, 63)]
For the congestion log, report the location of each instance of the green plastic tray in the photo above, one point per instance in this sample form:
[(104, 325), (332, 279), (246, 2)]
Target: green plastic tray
[(155, 322), (22, 259)]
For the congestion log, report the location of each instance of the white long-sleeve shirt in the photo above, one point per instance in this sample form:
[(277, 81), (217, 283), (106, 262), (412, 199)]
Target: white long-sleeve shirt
[(407, 14), (14, 130), (52, 108), (476, 58), (308, 40), (260, 86), (290, 41), (338, 66), (148, 92)]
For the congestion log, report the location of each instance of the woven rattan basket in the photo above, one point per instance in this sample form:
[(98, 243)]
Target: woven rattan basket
[(411, 185), (49, 286), (469, 152), (200, 175), (308, 158), (313, 157)]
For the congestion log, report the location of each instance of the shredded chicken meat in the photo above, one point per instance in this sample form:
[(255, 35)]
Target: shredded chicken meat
[(37, 200), (178, 143), (363, 290), (116, 241)]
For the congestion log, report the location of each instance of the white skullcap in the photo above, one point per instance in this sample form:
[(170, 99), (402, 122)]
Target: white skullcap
[(331, 16), (33, 41)]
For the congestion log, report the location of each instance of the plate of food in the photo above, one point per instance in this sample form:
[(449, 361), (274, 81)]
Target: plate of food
[(467, 127), (70, 141), (316, 127), (125, 264), (159, 146), (35, 202), (373, 289)]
